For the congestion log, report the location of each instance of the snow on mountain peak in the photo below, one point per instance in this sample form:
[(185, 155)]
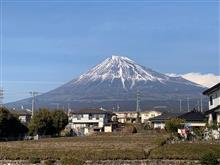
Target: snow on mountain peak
[(123, 69), (121, 58)]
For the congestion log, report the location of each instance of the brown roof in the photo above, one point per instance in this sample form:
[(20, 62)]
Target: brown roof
[(92, 111), (208, 91)]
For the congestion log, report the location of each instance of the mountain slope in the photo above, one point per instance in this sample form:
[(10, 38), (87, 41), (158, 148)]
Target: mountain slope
[(118, 79)]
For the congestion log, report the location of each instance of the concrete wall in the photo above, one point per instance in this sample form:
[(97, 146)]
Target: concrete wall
[(159, 125)]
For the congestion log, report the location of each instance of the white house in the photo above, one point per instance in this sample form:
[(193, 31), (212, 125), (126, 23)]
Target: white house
[(131, 116), (89, 120), (23, 115), (126, 116), (193, 118), (158, 122), (214, 104), (145, 116)]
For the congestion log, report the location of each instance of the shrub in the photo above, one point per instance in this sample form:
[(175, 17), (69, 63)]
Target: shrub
[(173, 125), (209, 158)]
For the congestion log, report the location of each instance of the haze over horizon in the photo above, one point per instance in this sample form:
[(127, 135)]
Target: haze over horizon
[(46, 44)]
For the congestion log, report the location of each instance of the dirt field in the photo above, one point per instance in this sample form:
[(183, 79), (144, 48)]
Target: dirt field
[(99, 147)]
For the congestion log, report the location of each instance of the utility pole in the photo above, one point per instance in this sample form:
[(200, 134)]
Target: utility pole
[(118, 107), (188, 103), (201, 106), (1, 97), (138, 107), (198, 105), (69, 110), (180, 105), (58, 105), (138, 102), (68, 106), (33, 94)]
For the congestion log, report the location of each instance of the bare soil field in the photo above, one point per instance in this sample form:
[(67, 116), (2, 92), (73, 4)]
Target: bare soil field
[(79, 149)]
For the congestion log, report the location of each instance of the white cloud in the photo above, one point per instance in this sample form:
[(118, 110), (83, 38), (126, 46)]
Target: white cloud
[(207, 80)]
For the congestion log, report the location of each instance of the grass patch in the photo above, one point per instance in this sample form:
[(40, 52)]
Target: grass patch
[(190, 151)]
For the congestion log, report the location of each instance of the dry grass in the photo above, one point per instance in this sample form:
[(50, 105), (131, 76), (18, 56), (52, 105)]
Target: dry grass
[(108, 146), (193, 151)]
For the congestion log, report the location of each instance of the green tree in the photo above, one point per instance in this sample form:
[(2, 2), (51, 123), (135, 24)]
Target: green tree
[(60, 120), (42, 123), (173, 125), (10, 125)]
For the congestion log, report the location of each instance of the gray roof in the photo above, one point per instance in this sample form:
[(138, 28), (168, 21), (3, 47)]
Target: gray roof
[(193, 116), (164, 117), (212, 89), (92, 111)]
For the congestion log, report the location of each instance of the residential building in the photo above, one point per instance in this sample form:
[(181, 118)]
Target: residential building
[(89, 120), (126, 116), (159, 121), (145, 116), (213, 113), (131, 116), (193, 118), (23, 115)]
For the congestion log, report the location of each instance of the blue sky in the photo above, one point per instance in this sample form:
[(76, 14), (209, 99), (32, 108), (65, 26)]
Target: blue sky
[(48, 43)]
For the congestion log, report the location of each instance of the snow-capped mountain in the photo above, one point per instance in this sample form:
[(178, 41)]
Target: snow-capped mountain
[(127, 71), (117, 79)]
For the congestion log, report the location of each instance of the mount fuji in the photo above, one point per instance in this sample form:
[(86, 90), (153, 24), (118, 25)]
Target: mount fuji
[(116, 81)]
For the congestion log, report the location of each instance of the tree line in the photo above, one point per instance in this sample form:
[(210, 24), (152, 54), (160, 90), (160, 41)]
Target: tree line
[(44, 122)]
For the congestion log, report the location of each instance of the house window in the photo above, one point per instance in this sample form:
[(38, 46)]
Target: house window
[(79, 117), (96, 116), (90, 116), (211, 100)]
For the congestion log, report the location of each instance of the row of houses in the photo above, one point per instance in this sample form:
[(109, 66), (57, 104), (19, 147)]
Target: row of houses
[(99, 119), (85, 121)]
